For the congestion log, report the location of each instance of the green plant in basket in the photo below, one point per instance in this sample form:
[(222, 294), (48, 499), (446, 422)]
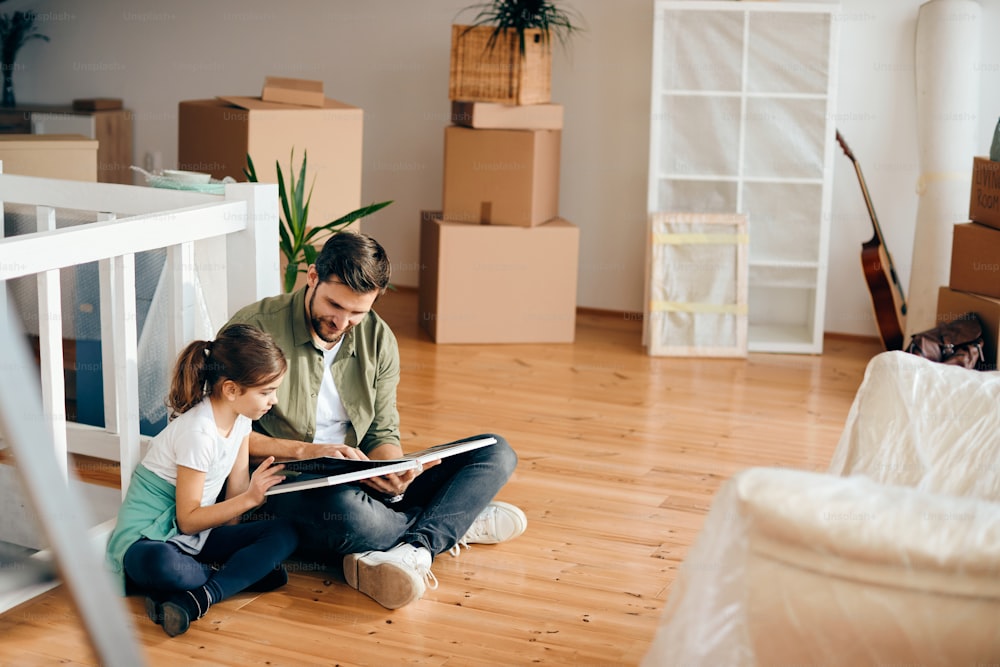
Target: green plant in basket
[(298, 241), (522, 15)]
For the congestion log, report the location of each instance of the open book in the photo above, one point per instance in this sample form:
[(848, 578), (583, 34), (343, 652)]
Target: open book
[(328, 471)]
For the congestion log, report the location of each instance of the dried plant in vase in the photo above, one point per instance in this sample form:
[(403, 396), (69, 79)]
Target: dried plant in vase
[(16, 30)]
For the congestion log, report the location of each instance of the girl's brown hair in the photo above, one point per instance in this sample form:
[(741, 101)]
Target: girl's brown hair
[(241, 353)]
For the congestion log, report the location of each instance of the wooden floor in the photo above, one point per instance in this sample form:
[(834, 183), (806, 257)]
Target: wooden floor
[(620, 455)]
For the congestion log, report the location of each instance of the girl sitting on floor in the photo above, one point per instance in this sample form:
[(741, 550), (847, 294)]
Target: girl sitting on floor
[(173, 541)]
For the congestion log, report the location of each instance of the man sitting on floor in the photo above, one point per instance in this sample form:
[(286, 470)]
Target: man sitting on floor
[(339, 399)]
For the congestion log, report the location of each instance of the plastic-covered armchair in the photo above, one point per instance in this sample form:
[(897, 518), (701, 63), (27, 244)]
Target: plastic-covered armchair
[(891, 557)]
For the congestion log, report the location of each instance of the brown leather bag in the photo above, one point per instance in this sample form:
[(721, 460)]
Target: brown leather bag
[(959, 342)]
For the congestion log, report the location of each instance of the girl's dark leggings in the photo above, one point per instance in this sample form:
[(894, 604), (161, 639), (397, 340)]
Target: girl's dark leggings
[(232, 559)]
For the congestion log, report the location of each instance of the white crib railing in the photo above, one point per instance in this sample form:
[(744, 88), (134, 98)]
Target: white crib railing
[(134, 219), (242, 225)]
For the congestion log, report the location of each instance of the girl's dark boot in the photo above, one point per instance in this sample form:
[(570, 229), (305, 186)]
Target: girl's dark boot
[(177, 612)]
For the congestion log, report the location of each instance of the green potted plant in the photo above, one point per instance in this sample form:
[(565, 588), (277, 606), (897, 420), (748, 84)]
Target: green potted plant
[(15, 31), (505, 54), (297, 240), (523, 15)]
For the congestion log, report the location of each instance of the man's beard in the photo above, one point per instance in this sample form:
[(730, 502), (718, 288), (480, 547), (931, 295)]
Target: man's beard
[(317, 324)]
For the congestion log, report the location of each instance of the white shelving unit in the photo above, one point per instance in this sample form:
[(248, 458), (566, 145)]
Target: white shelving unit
[(743, 102)]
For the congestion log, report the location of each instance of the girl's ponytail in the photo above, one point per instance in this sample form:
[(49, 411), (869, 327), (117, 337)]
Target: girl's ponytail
[(189, 384), (241, 353)]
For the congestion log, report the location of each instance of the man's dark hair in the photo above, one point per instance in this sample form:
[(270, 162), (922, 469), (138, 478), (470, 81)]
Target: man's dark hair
[(357, 260)]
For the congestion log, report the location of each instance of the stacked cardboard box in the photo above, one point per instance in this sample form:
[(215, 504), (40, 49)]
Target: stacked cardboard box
[(497, 283), (498, 264), (974, 283), (215, 136), (501, 176)]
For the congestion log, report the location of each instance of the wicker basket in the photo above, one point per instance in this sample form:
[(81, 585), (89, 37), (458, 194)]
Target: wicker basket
[(501, 74)]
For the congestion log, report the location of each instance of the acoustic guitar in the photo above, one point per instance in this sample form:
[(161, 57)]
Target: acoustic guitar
[(888, 299)]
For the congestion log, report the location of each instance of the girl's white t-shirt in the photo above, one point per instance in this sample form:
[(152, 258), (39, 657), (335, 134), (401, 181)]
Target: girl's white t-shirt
[(192, 440)]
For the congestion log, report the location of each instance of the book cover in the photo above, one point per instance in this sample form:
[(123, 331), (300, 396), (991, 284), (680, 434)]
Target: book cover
[(327, 470)]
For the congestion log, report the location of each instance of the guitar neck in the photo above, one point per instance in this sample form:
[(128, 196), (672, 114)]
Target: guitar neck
[(868, 203), (878, 230), (888, 298)]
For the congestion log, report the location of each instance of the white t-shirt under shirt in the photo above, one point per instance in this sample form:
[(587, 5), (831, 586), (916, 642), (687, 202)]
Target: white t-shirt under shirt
[(331, 417), (193, 440)]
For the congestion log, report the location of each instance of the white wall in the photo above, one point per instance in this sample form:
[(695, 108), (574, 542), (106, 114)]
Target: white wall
[(877, 115), (390, 57)]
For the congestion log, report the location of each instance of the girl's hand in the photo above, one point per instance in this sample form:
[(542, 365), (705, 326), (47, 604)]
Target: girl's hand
[(263, 478)]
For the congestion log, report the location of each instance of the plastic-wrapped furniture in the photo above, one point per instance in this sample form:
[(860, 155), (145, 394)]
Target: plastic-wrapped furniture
[(891, 557)]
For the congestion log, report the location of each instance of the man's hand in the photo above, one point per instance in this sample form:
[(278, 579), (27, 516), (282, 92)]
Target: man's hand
[(396, 484), (335, 451), (262, 446)]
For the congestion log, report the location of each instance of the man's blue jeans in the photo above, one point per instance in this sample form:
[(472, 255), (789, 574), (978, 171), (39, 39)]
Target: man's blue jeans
[(438, 508)]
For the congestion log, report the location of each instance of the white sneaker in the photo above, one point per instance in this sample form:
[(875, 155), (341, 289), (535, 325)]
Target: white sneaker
[(498, 522), (393, 578)]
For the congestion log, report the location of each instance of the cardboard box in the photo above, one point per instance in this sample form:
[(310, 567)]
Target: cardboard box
[(496, 284), (302, 92), (984, 202), (953, 304), (98, 104), (975, 259), (216, 135), (494, 116), (501, 177), (69, 156)]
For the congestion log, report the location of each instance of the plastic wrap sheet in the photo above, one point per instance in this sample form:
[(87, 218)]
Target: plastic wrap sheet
[(803, 568), (155, 366), (697, 289), (700, 134), (924, 424), (947, 85)]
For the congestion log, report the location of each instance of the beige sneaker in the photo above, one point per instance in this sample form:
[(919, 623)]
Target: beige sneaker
[(393, 578), (498, 522)]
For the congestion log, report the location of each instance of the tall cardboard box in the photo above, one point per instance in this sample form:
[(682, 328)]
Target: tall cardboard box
[(498, 284), (953, 304), (984, 201), (975, 259), (501, 177), (215, 136)]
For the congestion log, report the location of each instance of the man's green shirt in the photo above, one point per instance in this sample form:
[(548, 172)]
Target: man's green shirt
[(365, 371)]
